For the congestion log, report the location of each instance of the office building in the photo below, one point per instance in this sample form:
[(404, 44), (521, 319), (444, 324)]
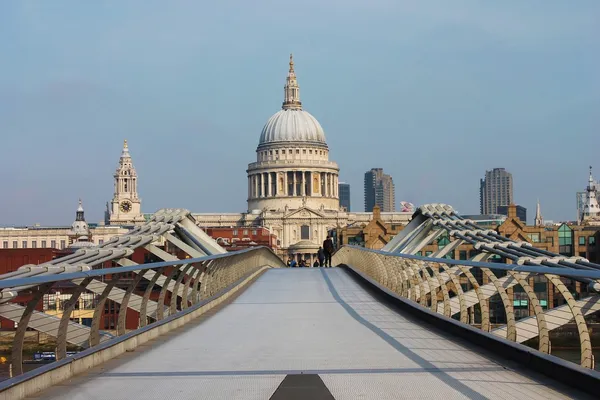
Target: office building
[(496, 189), (379, 191), (344, 193)]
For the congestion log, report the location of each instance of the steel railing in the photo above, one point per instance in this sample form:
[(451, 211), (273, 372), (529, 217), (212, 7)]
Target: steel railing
[(485, 294)]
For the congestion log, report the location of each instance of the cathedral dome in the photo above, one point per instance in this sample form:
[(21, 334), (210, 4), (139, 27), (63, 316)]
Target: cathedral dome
[(292, 125)]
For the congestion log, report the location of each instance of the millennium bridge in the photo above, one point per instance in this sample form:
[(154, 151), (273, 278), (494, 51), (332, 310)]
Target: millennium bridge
[(383, 324)]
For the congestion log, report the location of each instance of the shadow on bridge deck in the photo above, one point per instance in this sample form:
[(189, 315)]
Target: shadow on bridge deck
[(311, 321)]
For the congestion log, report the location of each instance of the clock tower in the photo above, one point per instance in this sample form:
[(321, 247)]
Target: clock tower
[(125, 207)]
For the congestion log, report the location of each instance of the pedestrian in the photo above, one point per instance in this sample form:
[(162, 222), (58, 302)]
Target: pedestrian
[(321, 256), (289, 262), (293, 263), (316, 264), (328, 247)]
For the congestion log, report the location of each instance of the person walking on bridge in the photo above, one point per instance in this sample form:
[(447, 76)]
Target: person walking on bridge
[(321, 256), (328, 248)]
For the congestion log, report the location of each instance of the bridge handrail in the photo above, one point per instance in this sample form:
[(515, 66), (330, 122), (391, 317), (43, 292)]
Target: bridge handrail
[(464, 290), (562, 271), (94, 273)]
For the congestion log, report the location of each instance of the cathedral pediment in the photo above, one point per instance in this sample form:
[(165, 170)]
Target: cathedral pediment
[(304, 212)]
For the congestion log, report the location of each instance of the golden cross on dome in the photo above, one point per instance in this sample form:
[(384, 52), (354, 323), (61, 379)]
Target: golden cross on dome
[(291, 62)]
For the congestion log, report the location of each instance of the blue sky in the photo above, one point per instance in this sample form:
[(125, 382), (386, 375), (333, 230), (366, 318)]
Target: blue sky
[(435, 92)]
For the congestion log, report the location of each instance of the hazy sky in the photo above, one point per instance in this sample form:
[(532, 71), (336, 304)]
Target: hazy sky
[(434, 92)]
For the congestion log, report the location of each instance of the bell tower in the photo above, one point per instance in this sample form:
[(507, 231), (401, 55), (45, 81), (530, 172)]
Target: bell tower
[(125, 207)]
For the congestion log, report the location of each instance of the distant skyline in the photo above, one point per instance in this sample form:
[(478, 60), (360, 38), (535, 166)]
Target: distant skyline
[(434, 92)]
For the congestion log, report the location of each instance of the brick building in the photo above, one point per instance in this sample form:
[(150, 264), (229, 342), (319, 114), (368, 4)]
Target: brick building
[(239, 238)]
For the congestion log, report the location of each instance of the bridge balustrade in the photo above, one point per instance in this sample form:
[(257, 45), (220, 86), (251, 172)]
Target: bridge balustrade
[(497, 298), (155, 291)]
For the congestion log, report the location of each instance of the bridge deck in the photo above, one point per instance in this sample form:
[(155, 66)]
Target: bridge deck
[(313, 321)]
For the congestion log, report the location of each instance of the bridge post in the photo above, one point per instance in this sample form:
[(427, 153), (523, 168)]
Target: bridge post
[(19, 339), (122, 320), (160, 310), (61, 337), (146, 297), (175, 292), (95, 331)]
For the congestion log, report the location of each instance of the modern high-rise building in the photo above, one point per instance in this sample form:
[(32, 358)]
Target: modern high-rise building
[(344, 193), (581, 198), (379, 190), (496, 189)]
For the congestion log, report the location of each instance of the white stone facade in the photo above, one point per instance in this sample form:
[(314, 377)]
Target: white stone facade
[(293, 186)]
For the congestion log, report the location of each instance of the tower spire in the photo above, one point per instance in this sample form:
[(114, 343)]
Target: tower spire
[(591, 209), (291, 90), (539, 220), (125, 153), (79, 214)]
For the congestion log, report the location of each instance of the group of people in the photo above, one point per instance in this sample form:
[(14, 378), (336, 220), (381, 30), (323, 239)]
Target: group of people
[(323, 257)]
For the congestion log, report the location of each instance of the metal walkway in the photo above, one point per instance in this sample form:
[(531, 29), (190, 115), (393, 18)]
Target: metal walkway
[(311, 321)]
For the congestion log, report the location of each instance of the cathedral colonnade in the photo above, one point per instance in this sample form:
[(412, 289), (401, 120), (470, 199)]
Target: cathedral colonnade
[(292, 183)]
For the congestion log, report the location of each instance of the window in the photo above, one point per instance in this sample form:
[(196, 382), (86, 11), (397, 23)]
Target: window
[(5, 245), (101, 241), (297, 151), (53, 244), (582, 240), (283, 151), (276, 152), (427, 253), (254, 233), (443, 241), (304, 151), (62, 244), (534, 237), (15, 244), (310, 152), (592, 240), (462, 254), (43, 244), (245, 232), (235, 232), (24, 244), (34, 244), (565, 240), (305, 232)]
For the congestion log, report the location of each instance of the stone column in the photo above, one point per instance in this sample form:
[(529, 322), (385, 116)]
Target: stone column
[(269, 184), (255, 185), (285, 183), (259, 183), (303, 188), (294, 183), (335, 185)]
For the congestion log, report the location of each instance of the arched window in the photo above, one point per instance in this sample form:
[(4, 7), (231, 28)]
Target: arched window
[(305, 232)]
